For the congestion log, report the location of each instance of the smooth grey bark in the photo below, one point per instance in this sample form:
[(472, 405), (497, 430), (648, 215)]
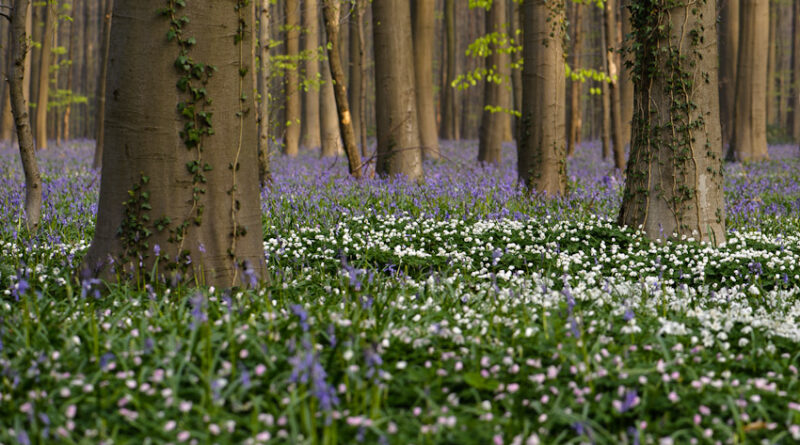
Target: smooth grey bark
[(495, 90), (728, 56), (19, 107), (44, 78), (449, 127), (542, 154), (292, 91), (100, 107), (673, 184), (399, 150), (356, 68), (310, 120), (423, 27), (575, 121), (208, 230), (613, 65), (516, 58), (625, 81), (794, 114), (329, 122), (264, 174)]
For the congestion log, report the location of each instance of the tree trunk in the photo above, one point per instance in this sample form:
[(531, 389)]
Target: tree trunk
[(292, 93), (100, 108), (794, 115), (605, 88), (7, 122), (448, 128), (772, 94), (498, 62), (674, 175), (398, 134), (625, 81), (575, 121), (749, 140), (311, 131), (356, 69), (516, 72), (423, 27), (613, 63), (264, 174), (70, 56), (186, 201), (362, 98), (542, 153), (332, 15), (19, 107), (329, 123), (728, 54)]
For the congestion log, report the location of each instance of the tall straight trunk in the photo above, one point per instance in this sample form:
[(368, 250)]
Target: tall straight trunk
[(264, 174), (542, 153), (613, 64), (362, 98), (203, 208), (575, 122), (398, 134), (749, 140), (332, 15), (449, 128), (625, 81), (7, 118), (491, 135), (292, 93), (794, 115), (65, 125), (310, 121), (674, 175), (605, 89), (35, 57), (423, 27), (355, 77), (44, 78), (329, 123), (516, 73), (100, 108), (728, 56), (772, 94), (27, 83), (19, 107)]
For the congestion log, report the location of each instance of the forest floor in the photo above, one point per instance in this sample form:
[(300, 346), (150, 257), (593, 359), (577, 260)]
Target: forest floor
[(459, 310)]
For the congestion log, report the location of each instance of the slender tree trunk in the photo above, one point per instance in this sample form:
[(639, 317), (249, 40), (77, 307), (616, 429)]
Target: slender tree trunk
[(794, 115), (749, 140), (674, 175), (332, 15), (264, 174), (448, 126), (605, 88), (423, 27), (362, 99), (7, 123), (292, 142), (516, 58), (625, 81), (201, 193), (19, 107), (100, 108), (35, 58), (356, 68), (329, 122), (728, 55), (491, 133), (44, 78), (73, 37), (27, 84), (398, 134), (772, 94), (613, 64), (575, 121), (542, 153), (310, 121)]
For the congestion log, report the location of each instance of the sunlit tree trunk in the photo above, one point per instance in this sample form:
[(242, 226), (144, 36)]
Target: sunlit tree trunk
[(728, 55), (7, 118), (189, 202), (542, 152), (329, 123), (625, 81), (310, 121), (605, 89), (19, 107), (292, 92), (575, 121), (493, 122), (355, 78), (44, 77), (613, 65), (749, 141), (264, 174), (423, 26), (448, 128), (674, 175)]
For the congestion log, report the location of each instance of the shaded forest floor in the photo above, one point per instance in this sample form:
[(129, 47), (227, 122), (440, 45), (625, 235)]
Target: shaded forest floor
[(459, 311)]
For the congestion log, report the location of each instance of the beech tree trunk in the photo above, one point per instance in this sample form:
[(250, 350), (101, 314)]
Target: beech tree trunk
[(7, 120), (19, 107), (794, 115), (332, 15), (264, 174), (329, 122), (613, 64), (625, 81), (292, 92), (772, 94), (728, 55), (575, 121), (605, 89), (749, 141), (311, 131), (100, 108), (355, 78), (542, 152), (674, 175), (449, 128), (495, 85), (44, 78), (423, 27), (516, 73), (188, 202), (399, 150)]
